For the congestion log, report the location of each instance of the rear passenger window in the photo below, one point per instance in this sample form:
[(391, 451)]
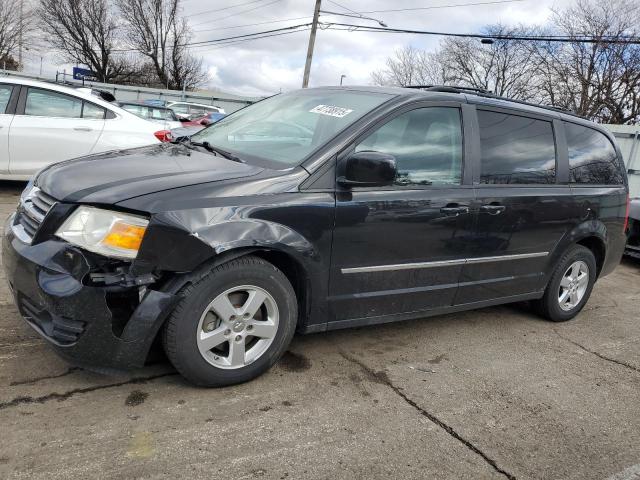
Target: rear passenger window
[(45, 103), (515, 149), (592, 158), (92, 112), (5, 95), (427, 145)]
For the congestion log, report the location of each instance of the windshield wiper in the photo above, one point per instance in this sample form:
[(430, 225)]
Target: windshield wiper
[(218, 151)]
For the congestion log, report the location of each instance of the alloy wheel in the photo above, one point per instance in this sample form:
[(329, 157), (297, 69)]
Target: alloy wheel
[(573, 285), (237, 327)]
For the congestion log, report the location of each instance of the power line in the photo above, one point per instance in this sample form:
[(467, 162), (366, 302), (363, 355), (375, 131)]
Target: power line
[(221, 9), (452, 5), (237, 13), (218, 40), (226, 44), (246, 35), (343, 7), (536, 38), (252, 24)]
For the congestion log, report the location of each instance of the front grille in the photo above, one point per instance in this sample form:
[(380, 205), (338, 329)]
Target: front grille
[(62, 330), (34, 206)]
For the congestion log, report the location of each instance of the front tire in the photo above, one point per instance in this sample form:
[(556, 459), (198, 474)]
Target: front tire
[(570, 285), (233, 324)]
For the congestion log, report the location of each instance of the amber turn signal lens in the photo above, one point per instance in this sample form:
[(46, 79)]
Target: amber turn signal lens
[(124, 235)]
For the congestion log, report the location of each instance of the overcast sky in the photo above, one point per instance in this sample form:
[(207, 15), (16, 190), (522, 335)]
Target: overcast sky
[(273, 64)]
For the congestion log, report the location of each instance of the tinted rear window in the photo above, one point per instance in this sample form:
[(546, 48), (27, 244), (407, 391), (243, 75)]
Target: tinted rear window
[(515, 149), (592, 157)]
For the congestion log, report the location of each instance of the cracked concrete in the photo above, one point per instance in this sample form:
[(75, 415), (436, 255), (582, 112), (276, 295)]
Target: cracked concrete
[(381, 377), (493, 393), (622, 363)]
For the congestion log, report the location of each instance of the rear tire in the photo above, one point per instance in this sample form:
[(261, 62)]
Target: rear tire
[(233, 324), (570, 285)]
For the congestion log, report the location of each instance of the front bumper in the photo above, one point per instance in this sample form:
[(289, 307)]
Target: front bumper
[(85, 324)]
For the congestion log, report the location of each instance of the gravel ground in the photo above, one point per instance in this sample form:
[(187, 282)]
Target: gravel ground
[(493, 393)]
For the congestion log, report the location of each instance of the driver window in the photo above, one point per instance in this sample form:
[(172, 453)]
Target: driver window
[(427, 145)]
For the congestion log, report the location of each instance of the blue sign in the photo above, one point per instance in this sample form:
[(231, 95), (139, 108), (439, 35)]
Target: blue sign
[(83, 74)]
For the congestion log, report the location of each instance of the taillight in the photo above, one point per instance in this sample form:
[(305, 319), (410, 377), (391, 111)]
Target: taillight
[(626, 215), (164, 135)]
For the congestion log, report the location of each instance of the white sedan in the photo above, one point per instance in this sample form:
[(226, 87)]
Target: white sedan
[(43, 123)]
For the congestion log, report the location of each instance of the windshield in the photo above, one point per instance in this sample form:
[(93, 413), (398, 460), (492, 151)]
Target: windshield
[(283, 130)]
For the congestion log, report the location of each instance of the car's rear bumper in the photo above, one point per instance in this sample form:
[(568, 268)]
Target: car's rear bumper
[(90, 326)]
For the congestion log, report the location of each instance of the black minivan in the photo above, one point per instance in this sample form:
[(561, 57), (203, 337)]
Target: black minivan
[(310, 211)]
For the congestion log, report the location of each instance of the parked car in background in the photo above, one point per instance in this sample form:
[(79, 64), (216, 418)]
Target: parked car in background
[(210, 118), (43, 123), (156, 102), (193, 110), (164, 116), (315, 210), (633, 238), (184, 133)]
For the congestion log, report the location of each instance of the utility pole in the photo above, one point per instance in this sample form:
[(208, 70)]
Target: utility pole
[(312, 41)]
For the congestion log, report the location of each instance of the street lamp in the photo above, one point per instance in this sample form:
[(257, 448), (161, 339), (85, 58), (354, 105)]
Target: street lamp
[(342, 77), (41, 58)]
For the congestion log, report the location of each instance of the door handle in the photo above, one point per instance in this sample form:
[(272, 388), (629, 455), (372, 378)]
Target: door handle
[(454, 211), (493, 209), (83, 129)]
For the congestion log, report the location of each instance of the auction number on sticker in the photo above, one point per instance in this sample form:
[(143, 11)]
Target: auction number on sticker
[(331, 111)]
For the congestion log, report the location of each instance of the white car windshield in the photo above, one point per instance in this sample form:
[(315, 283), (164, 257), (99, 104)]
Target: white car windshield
[(284, 130)]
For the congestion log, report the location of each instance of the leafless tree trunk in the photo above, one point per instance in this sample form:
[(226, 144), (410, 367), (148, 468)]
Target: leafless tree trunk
[(154, 29), (85, 32), (11, 26)]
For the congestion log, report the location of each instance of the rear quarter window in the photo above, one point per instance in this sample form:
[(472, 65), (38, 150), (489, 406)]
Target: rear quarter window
[(592, 157)]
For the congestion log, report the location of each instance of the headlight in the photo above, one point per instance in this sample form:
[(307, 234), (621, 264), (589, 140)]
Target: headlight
[(108, 233)]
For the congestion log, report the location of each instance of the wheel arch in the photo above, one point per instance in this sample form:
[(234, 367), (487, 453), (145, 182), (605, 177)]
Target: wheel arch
[(592, 235), (597, 247), (287, 262)]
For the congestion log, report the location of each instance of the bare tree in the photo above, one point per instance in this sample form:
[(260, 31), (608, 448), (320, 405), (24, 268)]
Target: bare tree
[(12, 26), (501, 67), (410, 66), (155, 30), (598, 80), (85, 32), (185, 69)]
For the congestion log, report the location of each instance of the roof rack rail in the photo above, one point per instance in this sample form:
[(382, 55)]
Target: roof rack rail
[(449, 88), (480, 92)]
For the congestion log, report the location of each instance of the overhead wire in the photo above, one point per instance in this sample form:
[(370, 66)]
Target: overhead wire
[(253, 24), (238, 13), (536, 38), (222, 9)]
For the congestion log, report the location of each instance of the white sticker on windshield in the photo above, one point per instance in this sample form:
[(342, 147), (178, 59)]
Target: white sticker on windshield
[(331, 111)]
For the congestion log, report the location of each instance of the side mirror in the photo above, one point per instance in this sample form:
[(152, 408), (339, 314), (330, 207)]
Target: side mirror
[(368, 169)]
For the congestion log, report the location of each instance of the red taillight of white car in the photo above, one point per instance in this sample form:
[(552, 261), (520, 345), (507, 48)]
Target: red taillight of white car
[(164, 135)]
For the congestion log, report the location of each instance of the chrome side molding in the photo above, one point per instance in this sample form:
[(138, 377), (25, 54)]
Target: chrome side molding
[(442, 263)]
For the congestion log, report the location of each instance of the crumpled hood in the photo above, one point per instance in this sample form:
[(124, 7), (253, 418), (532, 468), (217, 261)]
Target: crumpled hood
[(112, 177)]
